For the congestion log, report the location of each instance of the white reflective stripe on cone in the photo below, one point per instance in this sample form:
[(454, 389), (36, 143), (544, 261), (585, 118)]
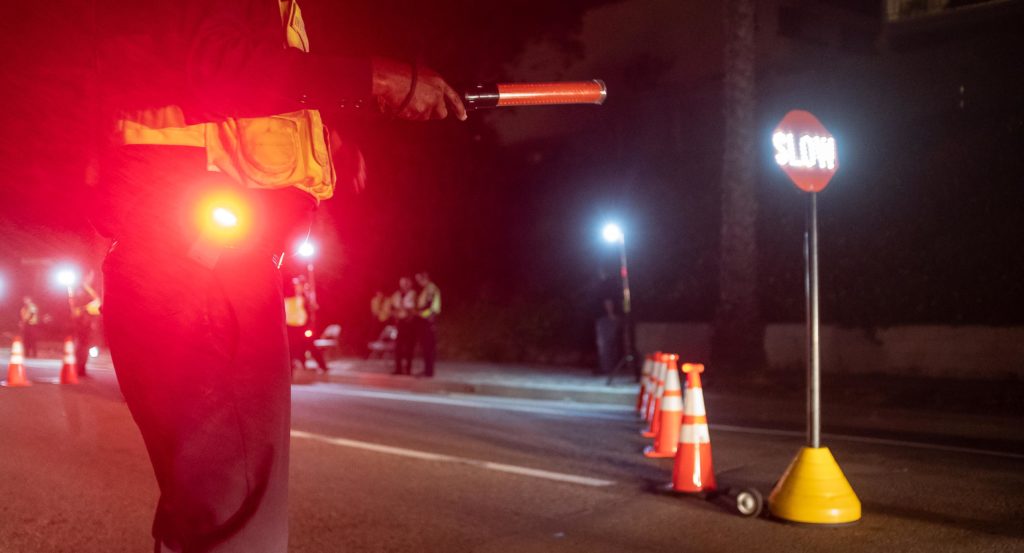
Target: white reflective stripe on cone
[(695, 434), (672, 402), (662, 371), (694, 402)]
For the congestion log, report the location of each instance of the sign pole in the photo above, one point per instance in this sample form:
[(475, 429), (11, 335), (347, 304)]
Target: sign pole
[(813, 328), (813, 490)]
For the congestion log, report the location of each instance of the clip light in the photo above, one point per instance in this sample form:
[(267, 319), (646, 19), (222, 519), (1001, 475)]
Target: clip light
[(223, 217)]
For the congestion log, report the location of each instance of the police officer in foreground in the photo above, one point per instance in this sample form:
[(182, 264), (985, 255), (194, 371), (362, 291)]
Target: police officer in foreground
[(216, 158)]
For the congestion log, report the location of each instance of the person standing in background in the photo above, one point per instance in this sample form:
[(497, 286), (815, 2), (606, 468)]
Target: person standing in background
[(380, 312), (403, 307), (29, 325), (428, 307), (85, 309), (297, 308)]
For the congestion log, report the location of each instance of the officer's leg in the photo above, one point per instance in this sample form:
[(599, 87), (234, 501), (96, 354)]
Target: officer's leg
[(317, 353), (297, 347), (201, 357)]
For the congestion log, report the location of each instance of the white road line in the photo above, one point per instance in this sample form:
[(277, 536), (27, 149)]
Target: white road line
[(427, 456), (491, 403), (867, 440)]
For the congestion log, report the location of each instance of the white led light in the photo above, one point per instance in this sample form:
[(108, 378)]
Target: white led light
[(224, 218), (612, 233), (807, 152), (66, 277)]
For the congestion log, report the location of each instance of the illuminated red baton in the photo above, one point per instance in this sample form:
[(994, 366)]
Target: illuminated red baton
[(535, 94)]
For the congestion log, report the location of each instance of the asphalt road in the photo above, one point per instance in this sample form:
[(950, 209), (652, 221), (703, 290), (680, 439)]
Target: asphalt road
[(376, 470)]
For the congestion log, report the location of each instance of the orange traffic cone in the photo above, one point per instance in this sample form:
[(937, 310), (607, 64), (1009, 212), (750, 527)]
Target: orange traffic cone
[(643, 382), (654, 406), (68, 371), (692, 471), (16, 368), (666, 440), (647, 386)]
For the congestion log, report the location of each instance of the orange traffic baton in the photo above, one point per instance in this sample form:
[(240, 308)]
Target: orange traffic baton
[(16, 367), (666, 440), (692, 471), (68, 371), (493, 95)]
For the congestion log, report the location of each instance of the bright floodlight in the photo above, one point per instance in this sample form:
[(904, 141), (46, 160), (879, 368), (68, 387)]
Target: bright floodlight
[(94, 352), (306, 249), (612, 233), (66, 277), (224, 217)]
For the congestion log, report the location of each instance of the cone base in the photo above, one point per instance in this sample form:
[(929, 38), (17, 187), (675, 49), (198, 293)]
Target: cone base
[(653, 453), (814, 491), (69, 376), (693, 471), (16, 377), (816, 524)]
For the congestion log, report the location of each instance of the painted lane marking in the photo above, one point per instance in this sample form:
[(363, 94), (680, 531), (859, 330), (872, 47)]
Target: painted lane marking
[(438, 457), (572, 411), (867, 440)]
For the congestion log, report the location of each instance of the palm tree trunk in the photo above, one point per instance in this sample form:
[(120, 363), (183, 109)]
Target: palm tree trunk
[(738, 342)]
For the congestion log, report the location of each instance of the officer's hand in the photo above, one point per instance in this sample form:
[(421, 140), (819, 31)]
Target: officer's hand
[(349, 163), (431, 99)]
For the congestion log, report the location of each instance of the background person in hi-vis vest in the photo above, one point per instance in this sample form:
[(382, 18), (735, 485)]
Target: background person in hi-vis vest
[(428, 308), (215, 158), (403, 309)]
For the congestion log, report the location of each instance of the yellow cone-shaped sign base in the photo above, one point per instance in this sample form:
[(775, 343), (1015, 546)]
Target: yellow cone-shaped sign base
[(813, 490)]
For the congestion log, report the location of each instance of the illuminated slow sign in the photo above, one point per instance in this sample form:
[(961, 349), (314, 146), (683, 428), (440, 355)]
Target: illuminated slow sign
[(805, 151)]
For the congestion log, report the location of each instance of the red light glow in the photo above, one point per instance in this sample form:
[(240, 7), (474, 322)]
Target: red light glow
[(223, 217)]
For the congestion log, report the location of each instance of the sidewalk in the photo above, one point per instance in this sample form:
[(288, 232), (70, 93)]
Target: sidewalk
[(492, 379), (962, 413)]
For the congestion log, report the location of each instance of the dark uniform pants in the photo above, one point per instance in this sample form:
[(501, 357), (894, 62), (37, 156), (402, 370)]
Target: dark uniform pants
[(201, 357), (405, 345), (427, 335)]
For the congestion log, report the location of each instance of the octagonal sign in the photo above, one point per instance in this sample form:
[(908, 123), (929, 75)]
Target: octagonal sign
[(805, 150)]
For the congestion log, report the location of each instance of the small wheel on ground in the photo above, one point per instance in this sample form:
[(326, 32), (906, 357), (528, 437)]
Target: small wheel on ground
[(749, 502)]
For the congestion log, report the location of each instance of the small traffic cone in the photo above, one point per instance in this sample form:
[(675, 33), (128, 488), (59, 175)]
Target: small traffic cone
[(648, 387), (692, 471), (68, 371), (644, 375), (666, 441), (16, 368), (654, 406)]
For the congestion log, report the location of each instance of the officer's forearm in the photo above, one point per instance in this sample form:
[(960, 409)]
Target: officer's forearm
[(236, 65)]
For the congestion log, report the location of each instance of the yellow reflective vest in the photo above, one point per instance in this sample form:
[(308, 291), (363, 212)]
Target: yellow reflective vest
[(429, 301), (295, 313), (281, 151)]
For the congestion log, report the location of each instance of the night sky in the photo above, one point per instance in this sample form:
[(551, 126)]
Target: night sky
[(920, 225)]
